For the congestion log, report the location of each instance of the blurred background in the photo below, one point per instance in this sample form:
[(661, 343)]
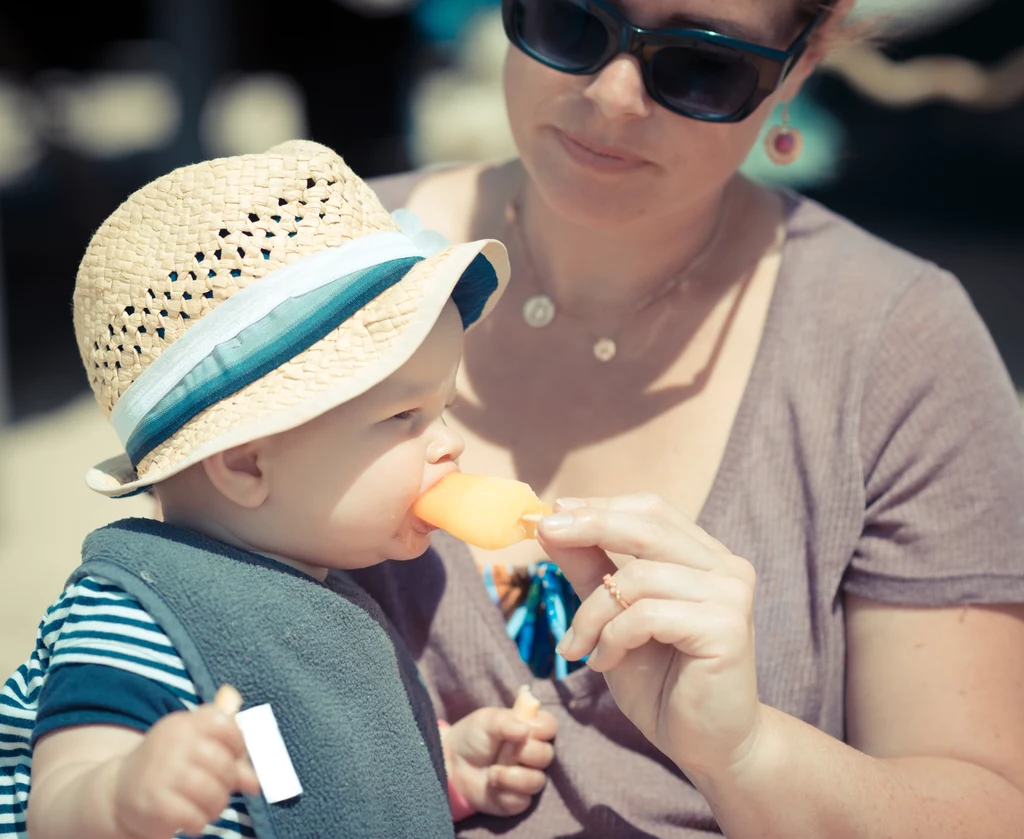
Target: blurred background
[(917, 135)]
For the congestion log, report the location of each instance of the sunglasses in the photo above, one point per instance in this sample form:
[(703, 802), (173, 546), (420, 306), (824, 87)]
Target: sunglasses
[(692, 72)]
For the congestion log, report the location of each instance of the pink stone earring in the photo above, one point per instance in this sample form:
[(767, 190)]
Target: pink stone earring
[(784, 144)]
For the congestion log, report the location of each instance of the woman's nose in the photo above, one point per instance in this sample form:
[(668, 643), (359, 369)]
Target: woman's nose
[(618, 89), (446, 445)]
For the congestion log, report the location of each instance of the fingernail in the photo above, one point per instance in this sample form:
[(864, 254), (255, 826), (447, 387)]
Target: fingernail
[(570, 503), (556, 522), (566, 642)]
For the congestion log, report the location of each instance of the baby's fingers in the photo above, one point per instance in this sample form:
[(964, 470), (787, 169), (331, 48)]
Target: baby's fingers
[(245, 778), (519, 780), (536, 754), (544, 726)]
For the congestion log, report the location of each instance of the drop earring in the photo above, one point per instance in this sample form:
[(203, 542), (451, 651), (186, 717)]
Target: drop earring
[(784, 144)]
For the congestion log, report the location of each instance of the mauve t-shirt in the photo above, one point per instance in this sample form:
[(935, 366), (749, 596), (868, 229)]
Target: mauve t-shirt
[(878, 450)]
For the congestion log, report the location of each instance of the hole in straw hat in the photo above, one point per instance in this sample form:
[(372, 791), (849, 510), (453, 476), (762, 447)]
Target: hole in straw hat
[(276, 218), (208, 294), (216, 254), (129, 310), (223, 232), (142, 330), (186, 296), (173, 276), (185, 316), (241, 253), (149, 291), (211, 273), (247, 233), (298, 219), (310, 183), (160, 332), (163, 313), (110, 328), (200, 256), (281, 202), (236, 272), (137, 349), (124, 330), (266, 253), (167, 294), (253, 217), (291, 234), (268, 235)]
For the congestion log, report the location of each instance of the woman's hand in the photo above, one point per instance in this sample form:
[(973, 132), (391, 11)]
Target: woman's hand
[(677, 645)]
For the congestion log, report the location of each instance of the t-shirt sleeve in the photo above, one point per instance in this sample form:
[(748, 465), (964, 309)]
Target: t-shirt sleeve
[(942, 442), (107, 663), (97, 694)]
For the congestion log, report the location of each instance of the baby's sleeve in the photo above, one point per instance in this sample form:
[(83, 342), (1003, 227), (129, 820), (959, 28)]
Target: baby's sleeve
[(109, 663), (942, 445)]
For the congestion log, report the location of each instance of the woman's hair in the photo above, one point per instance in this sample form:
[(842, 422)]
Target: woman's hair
[(834, 33)]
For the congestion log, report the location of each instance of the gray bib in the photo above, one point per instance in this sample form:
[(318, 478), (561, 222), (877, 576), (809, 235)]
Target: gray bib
[(352, 710)]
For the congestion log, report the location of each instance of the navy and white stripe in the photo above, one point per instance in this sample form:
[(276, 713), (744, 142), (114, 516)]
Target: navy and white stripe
[(92, 623)]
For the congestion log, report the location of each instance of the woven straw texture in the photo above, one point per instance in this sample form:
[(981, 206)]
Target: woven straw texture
[(181, 245)]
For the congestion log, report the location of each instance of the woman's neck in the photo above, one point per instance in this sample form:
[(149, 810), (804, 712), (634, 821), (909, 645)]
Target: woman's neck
[(595, 272)]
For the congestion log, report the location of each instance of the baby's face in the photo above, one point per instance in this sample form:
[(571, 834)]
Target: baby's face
[(342, 485)]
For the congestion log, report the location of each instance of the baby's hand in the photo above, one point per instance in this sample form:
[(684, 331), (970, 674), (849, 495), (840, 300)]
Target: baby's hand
[(182, 774), (471, 748)]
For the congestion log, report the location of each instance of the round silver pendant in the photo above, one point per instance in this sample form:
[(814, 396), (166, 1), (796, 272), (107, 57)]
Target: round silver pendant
[(539, 310), (605, 349)]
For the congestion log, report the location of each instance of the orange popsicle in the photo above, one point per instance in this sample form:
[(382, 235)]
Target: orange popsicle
[(488, 512)]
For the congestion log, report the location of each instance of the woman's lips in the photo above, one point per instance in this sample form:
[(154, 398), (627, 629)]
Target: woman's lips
[(598, 157)]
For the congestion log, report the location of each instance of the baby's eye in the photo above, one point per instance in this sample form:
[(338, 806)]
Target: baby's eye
[(405, 415)]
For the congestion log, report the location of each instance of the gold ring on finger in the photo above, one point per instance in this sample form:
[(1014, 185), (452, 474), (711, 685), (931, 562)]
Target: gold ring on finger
[(613, 589)]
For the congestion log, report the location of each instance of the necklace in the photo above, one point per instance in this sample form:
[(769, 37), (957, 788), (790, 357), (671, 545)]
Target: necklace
[(540, 310)]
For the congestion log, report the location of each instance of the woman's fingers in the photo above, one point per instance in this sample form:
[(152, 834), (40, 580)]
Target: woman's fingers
[(650, 505), (625, 532), (699, 630), (582, 567), (639, 580)]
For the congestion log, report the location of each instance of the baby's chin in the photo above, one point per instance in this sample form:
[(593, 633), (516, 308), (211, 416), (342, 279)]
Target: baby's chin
[(409, 542)]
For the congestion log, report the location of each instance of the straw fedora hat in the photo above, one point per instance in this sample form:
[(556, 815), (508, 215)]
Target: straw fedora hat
[(238, 298)]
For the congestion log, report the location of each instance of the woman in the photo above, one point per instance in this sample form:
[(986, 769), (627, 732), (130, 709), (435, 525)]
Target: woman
[(823, 417)]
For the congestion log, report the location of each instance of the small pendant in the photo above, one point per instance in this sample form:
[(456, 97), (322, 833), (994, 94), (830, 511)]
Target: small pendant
[(605, 349), (539, 311)]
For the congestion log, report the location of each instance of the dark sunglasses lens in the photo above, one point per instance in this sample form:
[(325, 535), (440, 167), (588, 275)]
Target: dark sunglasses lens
[(702, 84), (561, 32)]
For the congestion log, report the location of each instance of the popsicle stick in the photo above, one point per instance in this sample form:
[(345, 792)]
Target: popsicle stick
[(524, 708), (531, 517), (228, 700)]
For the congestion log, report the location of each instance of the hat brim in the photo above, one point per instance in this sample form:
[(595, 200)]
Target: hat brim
[(116, 477)]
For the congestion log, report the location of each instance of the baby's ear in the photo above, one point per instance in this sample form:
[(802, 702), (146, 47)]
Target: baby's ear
[(238, 474)]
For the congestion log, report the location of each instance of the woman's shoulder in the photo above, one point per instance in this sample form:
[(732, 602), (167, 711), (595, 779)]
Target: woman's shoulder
[(850, 273)]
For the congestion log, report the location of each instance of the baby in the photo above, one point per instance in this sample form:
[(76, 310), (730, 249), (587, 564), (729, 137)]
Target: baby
[(276, 357)]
